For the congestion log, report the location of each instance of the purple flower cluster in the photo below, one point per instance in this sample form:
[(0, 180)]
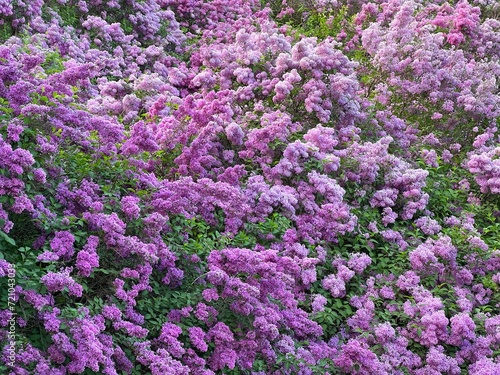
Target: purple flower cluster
[(58, 281)]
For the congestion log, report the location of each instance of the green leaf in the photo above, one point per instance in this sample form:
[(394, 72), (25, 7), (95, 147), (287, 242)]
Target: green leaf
[(419, 332), (7, 238)]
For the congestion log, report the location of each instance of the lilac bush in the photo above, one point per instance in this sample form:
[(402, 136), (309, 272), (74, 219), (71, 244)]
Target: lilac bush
[(234, 187)]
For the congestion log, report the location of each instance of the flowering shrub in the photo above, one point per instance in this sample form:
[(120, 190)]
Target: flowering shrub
[(208, 187)]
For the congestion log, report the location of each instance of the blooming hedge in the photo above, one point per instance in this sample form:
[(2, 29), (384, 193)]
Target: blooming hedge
[(235, 187)]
